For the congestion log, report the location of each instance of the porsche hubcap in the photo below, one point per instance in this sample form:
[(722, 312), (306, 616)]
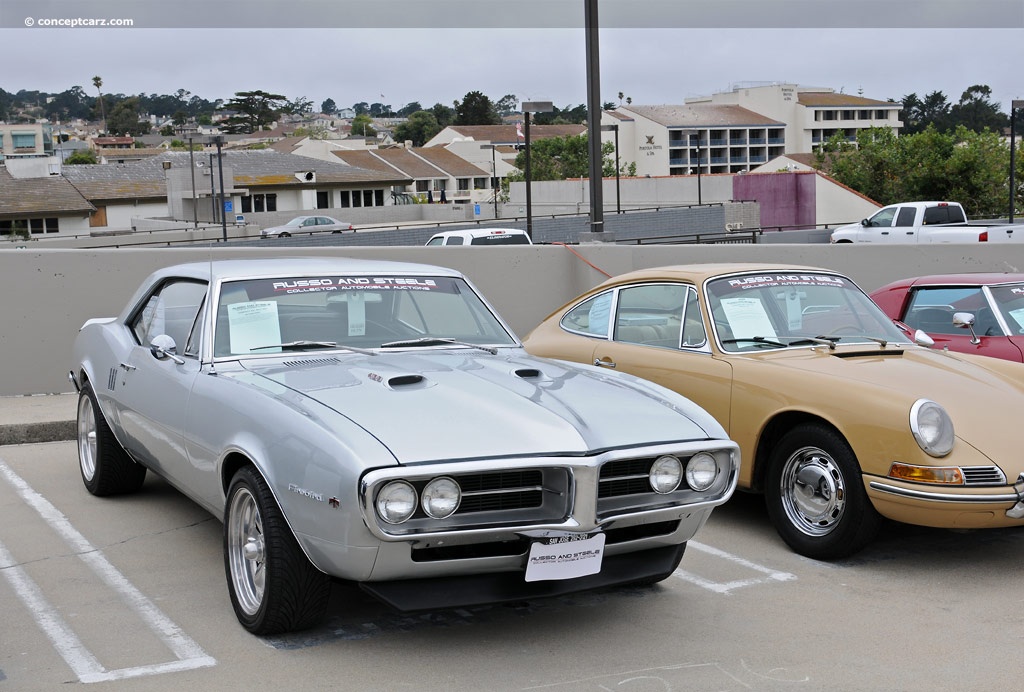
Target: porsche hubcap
[(246, 551), (86, 437), (813, 491)]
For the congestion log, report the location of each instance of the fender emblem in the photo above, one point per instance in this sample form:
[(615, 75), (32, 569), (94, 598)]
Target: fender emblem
[(334, 502)]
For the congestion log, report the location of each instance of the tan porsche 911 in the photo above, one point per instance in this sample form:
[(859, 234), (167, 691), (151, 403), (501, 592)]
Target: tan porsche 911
[(841, 419)]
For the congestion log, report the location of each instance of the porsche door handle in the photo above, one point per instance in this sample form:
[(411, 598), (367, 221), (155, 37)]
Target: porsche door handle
[(604, 363)]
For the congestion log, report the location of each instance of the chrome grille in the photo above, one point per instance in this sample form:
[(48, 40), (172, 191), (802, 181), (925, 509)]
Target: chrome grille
[(983, 475), (500, 491), (627, 477)]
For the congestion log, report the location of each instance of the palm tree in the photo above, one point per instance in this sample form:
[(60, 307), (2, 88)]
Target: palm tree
[(97, 82)]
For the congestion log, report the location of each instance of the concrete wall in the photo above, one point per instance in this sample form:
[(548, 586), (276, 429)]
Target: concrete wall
[(45, 295)]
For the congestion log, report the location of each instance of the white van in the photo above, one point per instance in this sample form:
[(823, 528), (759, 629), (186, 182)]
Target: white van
[(482, 236)]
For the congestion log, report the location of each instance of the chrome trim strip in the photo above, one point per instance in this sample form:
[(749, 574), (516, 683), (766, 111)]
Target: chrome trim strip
[(941, 497)]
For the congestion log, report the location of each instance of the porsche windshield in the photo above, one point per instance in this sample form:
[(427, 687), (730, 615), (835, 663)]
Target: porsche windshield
[(777, 310), (262, 316)]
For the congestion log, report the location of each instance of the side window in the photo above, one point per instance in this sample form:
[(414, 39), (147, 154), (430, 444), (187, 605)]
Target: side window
[(931, 309), (906, 216), (590, 317), (650, 315), (170, 310), (883, 218), (694, 333), (453, 240)]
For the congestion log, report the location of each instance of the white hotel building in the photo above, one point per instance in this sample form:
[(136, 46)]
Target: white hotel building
[(735, 131)]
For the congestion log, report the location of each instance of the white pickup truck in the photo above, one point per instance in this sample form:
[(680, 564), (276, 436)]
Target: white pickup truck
[(925, 222)]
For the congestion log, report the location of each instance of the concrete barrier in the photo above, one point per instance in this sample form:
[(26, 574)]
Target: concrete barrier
[(46, 295)]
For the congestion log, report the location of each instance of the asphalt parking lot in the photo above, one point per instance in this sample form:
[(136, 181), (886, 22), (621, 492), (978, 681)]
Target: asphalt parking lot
[(129, 593)]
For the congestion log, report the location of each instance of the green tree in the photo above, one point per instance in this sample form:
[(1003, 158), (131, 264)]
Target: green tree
[(559, 158), (507, 104), (409, 108), (362, 126), (124, 119), (977, 112), (444, 115), (419, 128), (254, 110), (81, 157), (329, 107), (300, 106), (476, 109)]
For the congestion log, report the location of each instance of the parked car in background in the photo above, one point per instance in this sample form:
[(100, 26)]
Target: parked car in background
[(841, 420), (378, 422), (482, 236), (980, 313), (925, 222), (307, 224)]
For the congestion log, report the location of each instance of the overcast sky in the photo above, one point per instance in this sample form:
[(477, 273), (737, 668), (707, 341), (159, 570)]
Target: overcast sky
[(858, 46)]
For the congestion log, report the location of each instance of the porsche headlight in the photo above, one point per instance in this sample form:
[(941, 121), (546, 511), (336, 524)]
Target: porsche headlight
[(441, 497), (932, 427), (666, 474), (396, 502), (701, 471)]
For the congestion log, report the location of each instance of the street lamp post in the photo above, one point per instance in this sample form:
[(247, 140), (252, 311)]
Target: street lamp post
[(531, 107), (1014, 106), (494, 176), (615, 128), (219, 141)]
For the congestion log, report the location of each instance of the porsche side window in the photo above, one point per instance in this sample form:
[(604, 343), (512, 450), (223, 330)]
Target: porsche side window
[(650, 315), (694, 334), (170, 310), (590, 317)]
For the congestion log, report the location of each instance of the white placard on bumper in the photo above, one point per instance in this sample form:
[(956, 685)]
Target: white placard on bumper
[(565, 556)]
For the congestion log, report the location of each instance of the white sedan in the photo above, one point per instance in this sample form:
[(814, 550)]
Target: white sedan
[(307, 224)]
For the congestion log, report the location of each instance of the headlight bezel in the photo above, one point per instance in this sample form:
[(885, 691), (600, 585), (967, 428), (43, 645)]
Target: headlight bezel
[(666, 466), (692, 470), (428, 492), (383, 497), (932, 428)]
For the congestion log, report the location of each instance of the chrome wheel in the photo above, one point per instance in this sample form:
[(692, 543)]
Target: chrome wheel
[(246, 551), (86, 437), (813, 491)]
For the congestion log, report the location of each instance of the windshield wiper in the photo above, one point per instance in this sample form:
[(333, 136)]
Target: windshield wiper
[(831, 338), (756, 340), (437, 341), (303, 345)]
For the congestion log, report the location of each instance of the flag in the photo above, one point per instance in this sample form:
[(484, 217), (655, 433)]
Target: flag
[(519, 131)]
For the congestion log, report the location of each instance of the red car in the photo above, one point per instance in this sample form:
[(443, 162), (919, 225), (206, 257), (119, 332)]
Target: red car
[(968, 313)]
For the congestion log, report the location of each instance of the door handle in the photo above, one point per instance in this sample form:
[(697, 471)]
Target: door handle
[(127, 367), (604, 363)]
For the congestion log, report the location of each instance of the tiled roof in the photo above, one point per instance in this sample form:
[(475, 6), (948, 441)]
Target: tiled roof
[(507, 133), (364, 159), (702, 115), (451, 163), (410, 164), (820, 99), (259, 168), (21, 197)]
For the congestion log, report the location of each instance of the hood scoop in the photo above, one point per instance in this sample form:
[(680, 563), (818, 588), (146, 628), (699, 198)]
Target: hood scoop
[(866, 354), (528, 373), (406, 381)]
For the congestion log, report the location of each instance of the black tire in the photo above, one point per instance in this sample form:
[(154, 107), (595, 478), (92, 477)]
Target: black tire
[(815, 494), (285, 235), (105, 467), (274, 588)]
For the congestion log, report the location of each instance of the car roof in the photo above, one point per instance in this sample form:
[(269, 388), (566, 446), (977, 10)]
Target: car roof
[(478, 232), (967, 278), (698, 273), (226, 269)]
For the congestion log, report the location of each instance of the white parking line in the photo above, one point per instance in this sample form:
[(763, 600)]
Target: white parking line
[(726, 587), (188, 653)]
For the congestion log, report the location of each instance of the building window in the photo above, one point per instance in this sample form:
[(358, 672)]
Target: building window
[(323, 199), (357, 198), (462, 184), (367, 198), (378, 198), (23, 140), (345, 204)]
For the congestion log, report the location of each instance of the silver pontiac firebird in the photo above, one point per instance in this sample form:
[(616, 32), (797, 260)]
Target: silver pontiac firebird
[(377, 422)]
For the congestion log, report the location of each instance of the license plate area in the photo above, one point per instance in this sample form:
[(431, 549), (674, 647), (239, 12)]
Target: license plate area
[(556, 555)]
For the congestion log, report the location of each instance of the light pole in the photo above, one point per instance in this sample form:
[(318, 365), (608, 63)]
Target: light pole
[(494, 176), (195, 204), (1014, 106), (219, 141), (531, 107), (615, 128), (591, 28)]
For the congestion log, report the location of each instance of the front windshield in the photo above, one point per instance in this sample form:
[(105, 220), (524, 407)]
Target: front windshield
[(1010, 300), (285, 313), (775, 310)]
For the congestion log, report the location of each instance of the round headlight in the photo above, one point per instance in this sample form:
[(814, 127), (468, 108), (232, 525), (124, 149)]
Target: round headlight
[(441, 498), (666, 474), (701, 471), (396, 502), (932, 427)]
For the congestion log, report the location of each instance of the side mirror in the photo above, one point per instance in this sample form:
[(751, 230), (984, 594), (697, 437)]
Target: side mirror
[(163, 347), (965, 320), (865, 223), (922, 339)]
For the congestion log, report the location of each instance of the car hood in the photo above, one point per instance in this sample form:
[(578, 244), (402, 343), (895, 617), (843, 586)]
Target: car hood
[(457, 405), (980, 401)]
